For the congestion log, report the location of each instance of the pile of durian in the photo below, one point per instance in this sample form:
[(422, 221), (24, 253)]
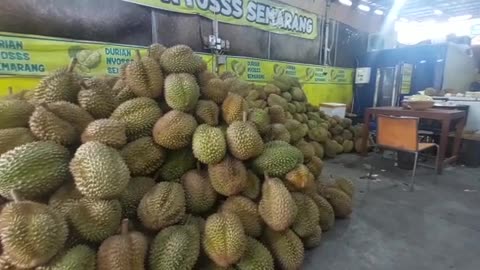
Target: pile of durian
[(167, 167)]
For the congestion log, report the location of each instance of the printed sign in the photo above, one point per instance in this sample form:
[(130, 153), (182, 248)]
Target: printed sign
[(320, 83), (30, 55), (262, 14)]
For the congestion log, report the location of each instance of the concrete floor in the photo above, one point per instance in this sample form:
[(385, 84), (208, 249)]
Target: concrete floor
[(436, 227)]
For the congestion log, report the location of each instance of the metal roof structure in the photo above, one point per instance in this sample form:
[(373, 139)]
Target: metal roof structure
[(421, 10)]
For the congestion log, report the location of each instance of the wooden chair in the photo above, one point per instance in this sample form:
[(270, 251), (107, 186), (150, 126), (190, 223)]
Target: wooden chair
[(401, 134)]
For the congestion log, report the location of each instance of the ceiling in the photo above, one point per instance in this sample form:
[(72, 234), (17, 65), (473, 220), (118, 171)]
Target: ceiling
[(421, 10)]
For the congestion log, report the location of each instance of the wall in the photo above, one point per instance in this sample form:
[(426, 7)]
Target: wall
[(121, 22), (366, 22)]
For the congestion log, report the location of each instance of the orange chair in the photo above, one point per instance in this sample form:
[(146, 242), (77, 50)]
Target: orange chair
[(401, 134)]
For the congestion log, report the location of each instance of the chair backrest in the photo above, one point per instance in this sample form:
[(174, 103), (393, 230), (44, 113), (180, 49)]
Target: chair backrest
[(400, 133)]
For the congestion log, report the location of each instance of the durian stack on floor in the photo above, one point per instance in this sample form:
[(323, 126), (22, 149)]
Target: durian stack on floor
[(167, 167)]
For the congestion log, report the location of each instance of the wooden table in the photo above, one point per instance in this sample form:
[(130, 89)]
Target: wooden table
[(444, 116)]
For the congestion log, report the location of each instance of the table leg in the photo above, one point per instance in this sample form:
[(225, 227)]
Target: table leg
[(365, 133), (443, 144), (458, 137)]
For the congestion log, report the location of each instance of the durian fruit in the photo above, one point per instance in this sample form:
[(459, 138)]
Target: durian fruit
[(288, 97), (209, 144), (331, 148), (176, 247), (133, 194), (200, 64), (32, 233), (277, 132), (181, 91), (229, 176), (277, 207), (143, 156), (239, 87), (256, 257), (139, 115), (204, 77), (207, 112), (313, 240), (78, 117), (286, 248), (243, 139), (233, 107), (318, 149), (99, 171), (177, 163), (224, 239), (325, 210), (346, 122), (156, 50), (315, 165), (274, 99), (296, 129), (122, 91), (144, 76), (199, 222), (347, 134), (318, 134), (174, 130), (65, 198), (199, 193), (306, 149), (126, 251), (246, 210), (15, 113), (178, 59), (80, 257), (260, 118), (300, 177), (46, 126), (277, 114), (107, 131), (271, 89), (13, 137), (95, 220), (99, 103), (307, 218), (278, 159), (347, 146), (162, 206), (345, 185), (297, 94), (33, 169), (253, 188), (63, 84), (214, 89), (340, 201)]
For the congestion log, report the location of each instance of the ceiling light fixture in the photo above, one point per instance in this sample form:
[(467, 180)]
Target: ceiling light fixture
[(345, 2), (460, 18), (379, 12), (437, 12), (363, 7)]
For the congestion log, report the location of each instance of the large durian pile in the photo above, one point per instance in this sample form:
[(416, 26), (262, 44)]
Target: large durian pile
[(168, 167)]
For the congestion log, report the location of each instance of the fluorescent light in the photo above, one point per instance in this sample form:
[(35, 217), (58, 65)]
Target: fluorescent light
[(345, 2), (437, 12), (403, 20), (364, 7), (379, 12), (460, 18)]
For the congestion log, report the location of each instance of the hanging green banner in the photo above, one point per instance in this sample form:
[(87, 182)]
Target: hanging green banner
[(262, 14)]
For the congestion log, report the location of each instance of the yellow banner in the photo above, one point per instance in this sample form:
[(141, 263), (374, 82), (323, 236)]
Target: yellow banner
[(320, 83), (30, 55), (262, 14)]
